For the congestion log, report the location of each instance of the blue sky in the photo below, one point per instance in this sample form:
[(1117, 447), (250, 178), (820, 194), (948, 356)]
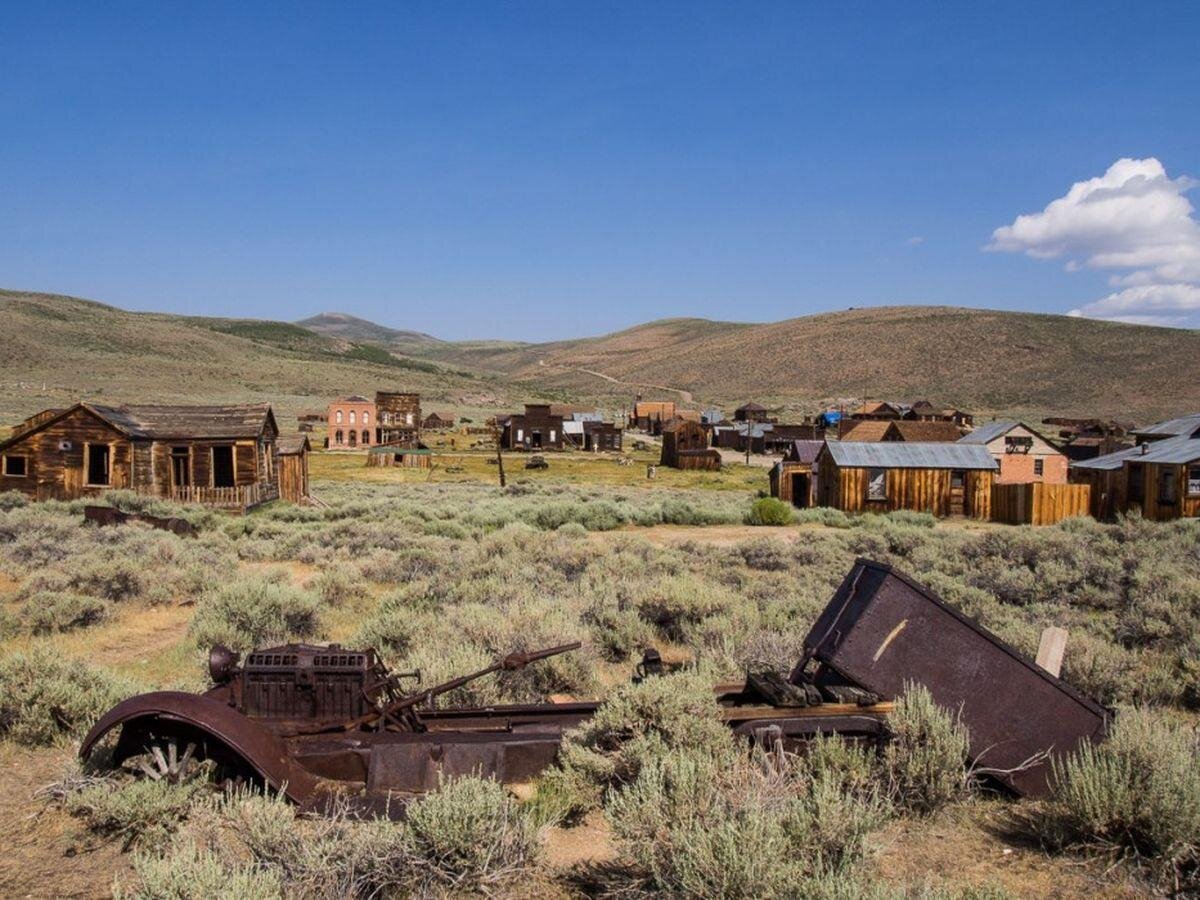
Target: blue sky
[(551, 170)]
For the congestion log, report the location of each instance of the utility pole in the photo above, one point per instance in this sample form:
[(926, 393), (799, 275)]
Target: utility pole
[(496, 434)]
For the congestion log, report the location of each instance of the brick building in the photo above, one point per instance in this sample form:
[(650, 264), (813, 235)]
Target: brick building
[(351, 423)]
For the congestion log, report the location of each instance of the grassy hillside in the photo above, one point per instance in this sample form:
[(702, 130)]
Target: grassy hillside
[(344, 326), (984, 360), (60, 349)]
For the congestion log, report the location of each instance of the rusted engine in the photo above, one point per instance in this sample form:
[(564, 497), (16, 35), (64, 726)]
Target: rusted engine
[(314, 721)]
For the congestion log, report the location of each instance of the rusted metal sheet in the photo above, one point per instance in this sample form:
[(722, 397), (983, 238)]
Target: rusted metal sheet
[(883, 630), (150, 716), (110, 515)]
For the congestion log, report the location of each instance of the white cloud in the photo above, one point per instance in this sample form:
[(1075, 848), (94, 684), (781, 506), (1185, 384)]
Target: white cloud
[(916, 240), (1132, 218)]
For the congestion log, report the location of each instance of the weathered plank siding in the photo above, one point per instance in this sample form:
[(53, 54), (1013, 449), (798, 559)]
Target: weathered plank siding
[(59, 474), (1039, 503), (919, 490), (1153, 504)]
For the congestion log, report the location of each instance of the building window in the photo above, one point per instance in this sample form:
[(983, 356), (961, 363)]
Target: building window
[(338, 416), (1167, 477), (408, 419), (353, 420), (16, 466), (552, 435), (99, 464), (520, 435), (339, 437), (1193, 481), (1018, 444), (876, 484), (222, 467), (181, 467), (366, 438), (353, 438), (1039, 467), (366, 418)]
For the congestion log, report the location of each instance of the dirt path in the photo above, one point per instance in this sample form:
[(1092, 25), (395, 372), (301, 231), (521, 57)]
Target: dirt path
[(46, 853), (685, 396)]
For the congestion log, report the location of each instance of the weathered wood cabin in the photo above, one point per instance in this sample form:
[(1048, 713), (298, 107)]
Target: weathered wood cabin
[(437, 421), (397, 417), (901, 430), (792, 478), (1159, 477), (752, 412), (1024, 455), (538, 428), (218, 455), (685, 446), (946, 479), (293, 450), (651, 415)]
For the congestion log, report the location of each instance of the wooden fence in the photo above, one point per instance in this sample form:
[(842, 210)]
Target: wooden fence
[(242, 497), (1038, 503)]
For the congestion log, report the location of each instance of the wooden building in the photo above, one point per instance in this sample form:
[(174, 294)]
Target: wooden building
[(218, 455), (351, 423), (601, 436), (436, 421), (751, 412), (792, 478), (945, 479), (882, 410), (685, 446), (535, 429), (398, 417), (1024, 455), (651, 415), (293, 452), (403, 454), (1081, 439), (925, 411), (1159, 477)]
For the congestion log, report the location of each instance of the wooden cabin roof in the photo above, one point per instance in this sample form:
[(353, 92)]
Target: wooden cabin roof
[(915, 430), (867, 430), (293, 444), (243, 421)]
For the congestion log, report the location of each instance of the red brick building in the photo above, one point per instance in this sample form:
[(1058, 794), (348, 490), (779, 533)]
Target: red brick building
[(351, 423), (1024, 455)]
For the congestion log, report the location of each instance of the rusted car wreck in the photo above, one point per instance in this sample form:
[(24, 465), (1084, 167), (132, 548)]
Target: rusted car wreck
[(315, 721)]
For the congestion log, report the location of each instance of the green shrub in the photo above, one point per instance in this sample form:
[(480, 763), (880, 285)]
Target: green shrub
[(12, 500), (1137, 792), (186, 872), (469, 834), (926, 758), (47, 613), (639, 722), (698, 824), (45, 696), (769, 511), (136, 811), (255, 612)]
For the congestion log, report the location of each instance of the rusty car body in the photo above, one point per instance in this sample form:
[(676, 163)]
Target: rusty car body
[(320, 721)]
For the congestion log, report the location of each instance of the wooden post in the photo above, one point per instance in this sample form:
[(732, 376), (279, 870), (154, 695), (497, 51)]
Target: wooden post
[(1051, 649), (496, 435)]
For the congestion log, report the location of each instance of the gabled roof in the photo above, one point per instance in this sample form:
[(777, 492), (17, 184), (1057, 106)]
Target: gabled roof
[(353, 398), (1169, 451), (985, 434), (242, 421), (1188, 425), (804, 451), (910, 455), (867, 430), (751, 407), (293, 444)]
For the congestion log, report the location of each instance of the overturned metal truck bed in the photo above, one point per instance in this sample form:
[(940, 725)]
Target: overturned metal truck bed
[(883, 630)]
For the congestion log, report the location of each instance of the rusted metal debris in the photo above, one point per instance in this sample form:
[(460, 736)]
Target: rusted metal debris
[(110, 515), (315, 721)]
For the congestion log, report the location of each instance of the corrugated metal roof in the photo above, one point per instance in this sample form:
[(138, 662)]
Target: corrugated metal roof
[(1182, 425), (1169, 451), (910, 455), (570, 426), (985, 434)]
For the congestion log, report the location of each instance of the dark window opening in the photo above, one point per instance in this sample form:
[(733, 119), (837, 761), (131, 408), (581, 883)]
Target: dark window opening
[(1039, 467), (957, 479), (1193, 481), (800, 489), (366, 438), (222, 467), (1136, 482), (353, 438), (181, 470), (1166, 486), (535, 439), (15, 466), (98, 464), (339, 437)]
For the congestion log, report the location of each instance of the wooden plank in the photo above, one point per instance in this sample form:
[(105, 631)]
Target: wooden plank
[(1051, 649)]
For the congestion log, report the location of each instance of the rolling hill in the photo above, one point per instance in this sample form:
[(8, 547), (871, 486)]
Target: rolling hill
[(57, 349), (989, 361)]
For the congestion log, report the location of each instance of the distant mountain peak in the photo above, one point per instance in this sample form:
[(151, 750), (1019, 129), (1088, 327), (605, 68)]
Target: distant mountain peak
[(336, 324)]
